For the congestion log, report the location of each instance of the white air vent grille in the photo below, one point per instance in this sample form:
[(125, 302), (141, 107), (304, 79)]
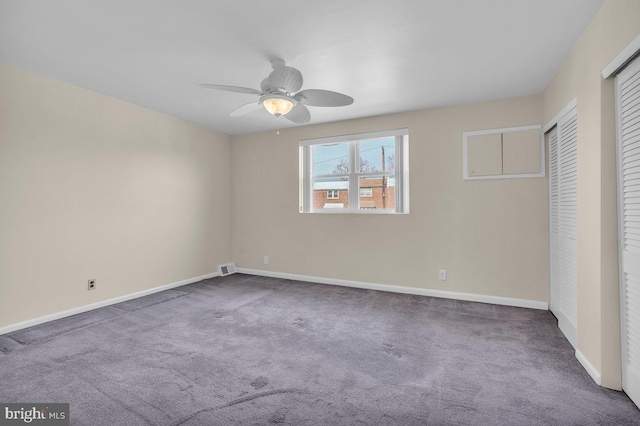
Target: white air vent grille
[(227, 269)]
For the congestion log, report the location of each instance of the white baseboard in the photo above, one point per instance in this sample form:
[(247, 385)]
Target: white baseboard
[(590, 368), (81, 309), (569, 331), (496, 300), (204, 277)]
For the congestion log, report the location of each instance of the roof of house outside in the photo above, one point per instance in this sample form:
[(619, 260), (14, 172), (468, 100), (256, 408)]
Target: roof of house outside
[(333, 206), (336, 184), (342, 184)]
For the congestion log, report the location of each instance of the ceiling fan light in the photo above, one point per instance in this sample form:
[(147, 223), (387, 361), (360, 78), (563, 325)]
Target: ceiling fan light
[(277, 106)]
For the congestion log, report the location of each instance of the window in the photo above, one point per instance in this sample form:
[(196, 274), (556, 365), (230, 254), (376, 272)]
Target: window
[(365, 173), (366, 192)]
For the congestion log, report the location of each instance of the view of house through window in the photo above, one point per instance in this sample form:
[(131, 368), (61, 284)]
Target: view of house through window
[(353, 175)]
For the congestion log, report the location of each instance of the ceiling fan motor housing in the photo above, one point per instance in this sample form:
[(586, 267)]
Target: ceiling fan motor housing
[(285, 79)]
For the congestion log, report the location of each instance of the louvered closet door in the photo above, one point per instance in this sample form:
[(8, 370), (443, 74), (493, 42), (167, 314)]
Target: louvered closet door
[(554, 221), (568, 200), (563, 223), (628, 116)]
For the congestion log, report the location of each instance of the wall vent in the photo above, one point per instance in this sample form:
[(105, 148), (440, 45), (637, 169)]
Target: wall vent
[(227, 269)]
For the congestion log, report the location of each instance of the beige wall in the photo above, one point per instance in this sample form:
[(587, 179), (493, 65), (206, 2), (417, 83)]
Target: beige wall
[(94, 187), (617, 23), (491, 235)]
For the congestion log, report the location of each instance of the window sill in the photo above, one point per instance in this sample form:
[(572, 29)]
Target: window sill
[(359, 212)]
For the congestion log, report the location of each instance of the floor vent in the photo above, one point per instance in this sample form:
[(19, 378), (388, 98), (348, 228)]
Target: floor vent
[(227, 269)]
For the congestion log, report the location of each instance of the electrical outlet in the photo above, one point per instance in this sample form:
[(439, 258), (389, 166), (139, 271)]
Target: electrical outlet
[(442, 274), (266, 260), (91, 285)]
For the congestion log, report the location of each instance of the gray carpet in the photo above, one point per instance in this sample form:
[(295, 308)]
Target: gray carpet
[(257, 351)]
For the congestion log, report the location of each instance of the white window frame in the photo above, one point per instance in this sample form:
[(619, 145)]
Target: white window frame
[(401, 172), (330, 194)]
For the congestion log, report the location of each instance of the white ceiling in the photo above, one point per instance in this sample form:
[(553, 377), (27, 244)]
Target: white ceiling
[(389, 55)]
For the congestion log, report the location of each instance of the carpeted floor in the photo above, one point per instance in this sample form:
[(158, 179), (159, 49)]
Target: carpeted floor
[(257, 351)]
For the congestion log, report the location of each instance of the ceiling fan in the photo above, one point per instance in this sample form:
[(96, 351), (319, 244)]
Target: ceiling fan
[(279, 95)]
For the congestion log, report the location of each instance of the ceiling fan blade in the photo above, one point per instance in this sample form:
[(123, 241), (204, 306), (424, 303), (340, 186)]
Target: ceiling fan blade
[(323, 98), (299, 114), (287, 79), (235, 89), (246, 109)]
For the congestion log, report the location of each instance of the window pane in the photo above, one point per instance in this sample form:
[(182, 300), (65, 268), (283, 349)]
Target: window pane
[(331, 159), (331, 193), (382, 190), (377, 155)]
